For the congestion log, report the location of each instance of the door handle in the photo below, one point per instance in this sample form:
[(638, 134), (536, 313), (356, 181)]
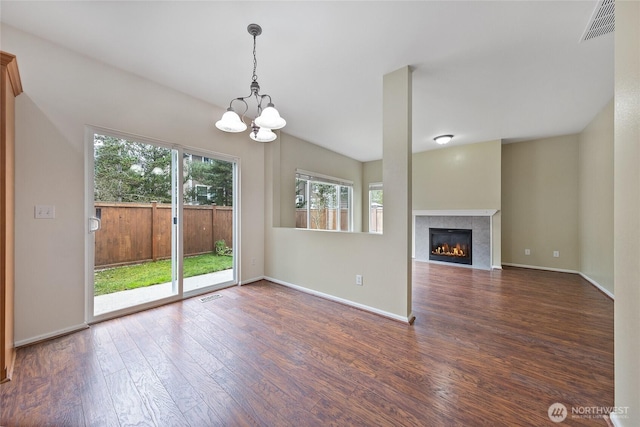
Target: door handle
[(94, 224)]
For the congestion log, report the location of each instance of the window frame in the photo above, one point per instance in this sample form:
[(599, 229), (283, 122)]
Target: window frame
[(315, 178), (375, 186)]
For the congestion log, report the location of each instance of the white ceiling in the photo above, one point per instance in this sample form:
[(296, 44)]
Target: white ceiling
[(483, 70)]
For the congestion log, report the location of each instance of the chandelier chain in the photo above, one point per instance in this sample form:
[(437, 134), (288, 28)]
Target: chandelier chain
[(255, 61)]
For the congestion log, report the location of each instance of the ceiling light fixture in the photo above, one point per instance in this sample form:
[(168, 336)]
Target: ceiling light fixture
[(266, 120), (443, 139)]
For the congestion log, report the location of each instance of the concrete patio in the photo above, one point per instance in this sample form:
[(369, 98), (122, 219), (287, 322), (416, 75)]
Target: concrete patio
[(119, 300)]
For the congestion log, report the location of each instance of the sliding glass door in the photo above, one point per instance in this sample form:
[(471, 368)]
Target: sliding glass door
[(208, 225), (161, 223), (134, 223)]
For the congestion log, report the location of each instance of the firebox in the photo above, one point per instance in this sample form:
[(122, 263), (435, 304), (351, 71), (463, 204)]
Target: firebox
[(450, 245)]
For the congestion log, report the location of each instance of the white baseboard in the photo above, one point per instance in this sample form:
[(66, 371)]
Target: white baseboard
[(616, 420), (496, 267), (560, 270), (393, 316), (598, 285), (51, 335), (537, 267), (255, 279)]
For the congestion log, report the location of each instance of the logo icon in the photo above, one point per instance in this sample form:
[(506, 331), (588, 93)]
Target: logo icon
[(557, 412)]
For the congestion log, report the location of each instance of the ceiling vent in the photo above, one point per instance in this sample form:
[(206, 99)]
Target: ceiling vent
[(603, 20)]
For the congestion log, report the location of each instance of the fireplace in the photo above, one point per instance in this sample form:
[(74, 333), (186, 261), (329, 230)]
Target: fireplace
[(450, 245)]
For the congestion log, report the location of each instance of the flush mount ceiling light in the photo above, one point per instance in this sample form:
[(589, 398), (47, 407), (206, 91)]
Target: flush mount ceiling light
[(443, 139), (266, 119)]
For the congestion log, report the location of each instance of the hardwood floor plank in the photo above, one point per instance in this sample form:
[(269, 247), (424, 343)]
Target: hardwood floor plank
[(94, 389), (492, 348), (209, 391), (202, 415), (156, 398), (128, 403), (182, 392), (66, 382), (253, 404), (106, 350)]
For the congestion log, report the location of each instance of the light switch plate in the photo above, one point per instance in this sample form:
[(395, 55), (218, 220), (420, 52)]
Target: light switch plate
[(45, 212)]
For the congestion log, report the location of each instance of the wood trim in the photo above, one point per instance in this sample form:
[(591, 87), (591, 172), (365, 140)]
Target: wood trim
[(10, 61), (10, 87)]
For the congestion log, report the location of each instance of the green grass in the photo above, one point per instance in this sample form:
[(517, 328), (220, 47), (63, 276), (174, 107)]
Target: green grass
[(152, 273)]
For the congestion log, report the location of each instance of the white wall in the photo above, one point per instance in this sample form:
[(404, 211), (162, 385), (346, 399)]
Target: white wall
[(627, 211), (327, 262), (459, 177), (596, 199), (540, 203), (63, 92)]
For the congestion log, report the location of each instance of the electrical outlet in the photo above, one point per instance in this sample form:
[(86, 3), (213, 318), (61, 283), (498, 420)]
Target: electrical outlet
[(253, 261), (359, 279), (556, 254), (527, 251), (45, 212)]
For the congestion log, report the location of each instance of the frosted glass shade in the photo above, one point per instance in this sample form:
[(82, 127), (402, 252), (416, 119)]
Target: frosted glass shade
[(270, 118), (443, 139), (263, 135), (230, 122)]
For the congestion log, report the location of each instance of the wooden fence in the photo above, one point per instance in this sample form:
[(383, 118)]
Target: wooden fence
[(322, 219), (375, 219), (136, 232)]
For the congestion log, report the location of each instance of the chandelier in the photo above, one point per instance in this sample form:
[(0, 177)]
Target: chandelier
[(267, 119)]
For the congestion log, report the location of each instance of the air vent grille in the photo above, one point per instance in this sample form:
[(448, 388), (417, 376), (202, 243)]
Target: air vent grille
[(603, 20), (210, 298)]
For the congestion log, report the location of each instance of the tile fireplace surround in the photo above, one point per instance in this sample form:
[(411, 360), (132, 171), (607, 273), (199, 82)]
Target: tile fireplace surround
[(479, 221)]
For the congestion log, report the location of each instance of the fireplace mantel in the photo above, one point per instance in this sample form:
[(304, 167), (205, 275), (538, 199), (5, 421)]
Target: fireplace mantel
[(454, 212)]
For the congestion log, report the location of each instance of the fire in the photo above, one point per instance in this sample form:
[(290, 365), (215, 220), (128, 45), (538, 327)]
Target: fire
[(447, 250)]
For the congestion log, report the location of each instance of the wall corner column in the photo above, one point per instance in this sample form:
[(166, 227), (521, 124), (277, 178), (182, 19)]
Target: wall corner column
[(627, 213), (397, 173)]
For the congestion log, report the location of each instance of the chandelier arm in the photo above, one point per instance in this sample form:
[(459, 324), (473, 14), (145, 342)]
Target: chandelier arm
[(259, 99), (258, 103), (246, 106), (266, 95)]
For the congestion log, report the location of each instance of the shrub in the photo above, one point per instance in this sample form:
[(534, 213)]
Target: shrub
[(222, 248)]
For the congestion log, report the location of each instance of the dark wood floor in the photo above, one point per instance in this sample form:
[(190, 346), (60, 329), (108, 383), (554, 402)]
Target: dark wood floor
[(488, 348)]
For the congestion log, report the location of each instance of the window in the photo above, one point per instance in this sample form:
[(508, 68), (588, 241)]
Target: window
[(323, 202), (375, 207), (203, 194)]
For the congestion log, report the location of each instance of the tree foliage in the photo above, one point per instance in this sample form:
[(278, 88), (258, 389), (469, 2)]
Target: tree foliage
[(215, 174), (127, 171), (376, 196)]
